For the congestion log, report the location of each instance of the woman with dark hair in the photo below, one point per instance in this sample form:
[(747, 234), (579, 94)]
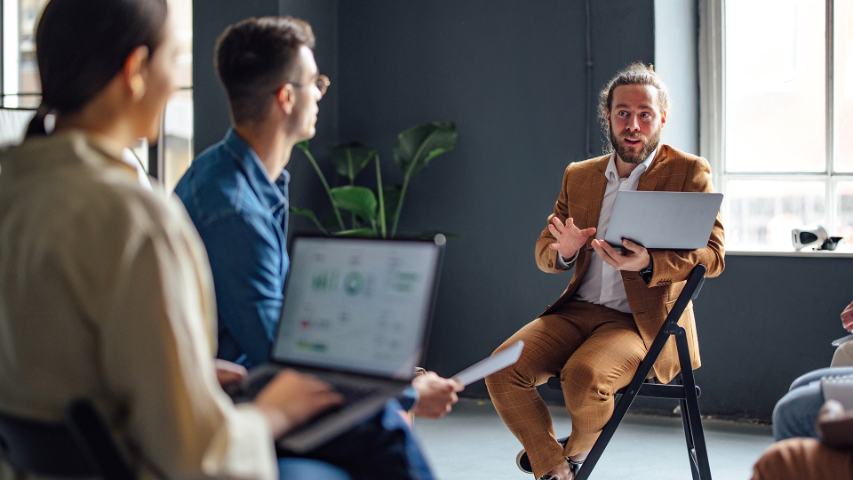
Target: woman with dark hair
[(105, 290)]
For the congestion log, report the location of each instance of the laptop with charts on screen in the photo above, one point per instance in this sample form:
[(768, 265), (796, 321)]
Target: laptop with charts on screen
[(356, 314)]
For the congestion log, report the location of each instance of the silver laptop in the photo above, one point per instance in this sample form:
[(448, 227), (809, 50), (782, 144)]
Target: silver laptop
[(356, 314), (670, 220)]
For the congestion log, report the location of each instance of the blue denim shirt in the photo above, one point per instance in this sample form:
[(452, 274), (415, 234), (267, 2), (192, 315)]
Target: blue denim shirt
[(242, 218)]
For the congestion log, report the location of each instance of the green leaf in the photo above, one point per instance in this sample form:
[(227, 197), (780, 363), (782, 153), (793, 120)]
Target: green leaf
[(392, 198), (351, 158), (418, 145), (356, 232), (303, 145), (358, 200), (309, 214)]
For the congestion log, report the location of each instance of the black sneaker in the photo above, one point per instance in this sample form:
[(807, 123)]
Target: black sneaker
[(523, 462), (573, 466)]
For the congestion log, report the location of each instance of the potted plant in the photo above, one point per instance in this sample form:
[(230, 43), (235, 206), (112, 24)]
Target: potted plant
[(359, 210)]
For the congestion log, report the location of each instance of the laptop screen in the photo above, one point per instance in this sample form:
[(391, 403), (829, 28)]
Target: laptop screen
[(357, 305)]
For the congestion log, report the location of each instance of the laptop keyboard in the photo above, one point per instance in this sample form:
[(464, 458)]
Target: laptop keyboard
[(247, 391)]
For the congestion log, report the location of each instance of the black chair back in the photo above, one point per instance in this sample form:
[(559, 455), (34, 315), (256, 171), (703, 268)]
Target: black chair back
[(79, 447)]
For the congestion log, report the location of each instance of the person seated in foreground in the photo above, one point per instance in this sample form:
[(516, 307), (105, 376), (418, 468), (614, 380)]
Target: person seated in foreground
[(795, 414), (236, 193), (105, 290), (830, 458), (597, 333)]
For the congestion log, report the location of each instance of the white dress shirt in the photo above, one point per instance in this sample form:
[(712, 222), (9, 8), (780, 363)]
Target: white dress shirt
[(602, 283)]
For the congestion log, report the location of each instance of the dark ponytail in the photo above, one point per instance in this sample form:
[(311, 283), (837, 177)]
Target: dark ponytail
[(82, 44)]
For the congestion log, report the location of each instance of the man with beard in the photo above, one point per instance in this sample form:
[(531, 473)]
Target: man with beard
[(599, 330)]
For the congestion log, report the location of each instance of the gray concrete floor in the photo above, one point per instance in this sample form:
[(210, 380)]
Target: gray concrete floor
[(472, 444)]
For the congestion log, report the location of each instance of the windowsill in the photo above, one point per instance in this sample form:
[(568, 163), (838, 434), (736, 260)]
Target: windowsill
[(801, 253)]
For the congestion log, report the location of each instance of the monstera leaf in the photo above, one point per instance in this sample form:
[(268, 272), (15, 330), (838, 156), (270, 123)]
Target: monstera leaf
[(373, 213), (358, 200), (417, 146), (414, 149), (351, 158)]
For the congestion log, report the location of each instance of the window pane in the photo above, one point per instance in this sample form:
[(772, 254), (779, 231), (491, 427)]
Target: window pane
[(181, 12), (843, 53), (844, 225), (759, 214), (178, 137), (28, 73), (775, 86)]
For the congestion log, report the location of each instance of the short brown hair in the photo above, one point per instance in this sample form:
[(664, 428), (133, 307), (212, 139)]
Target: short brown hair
[(254, 57), (634, 74)]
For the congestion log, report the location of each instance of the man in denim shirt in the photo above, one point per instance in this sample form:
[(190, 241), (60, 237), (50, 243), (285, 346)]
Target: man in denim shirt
[(242, 217), (236, 194)]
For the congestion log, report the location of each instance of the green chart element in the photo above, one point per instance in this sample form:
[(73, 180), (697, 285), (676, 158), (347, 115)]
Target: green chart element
[(326, 281), (354, 283), (404, 282)]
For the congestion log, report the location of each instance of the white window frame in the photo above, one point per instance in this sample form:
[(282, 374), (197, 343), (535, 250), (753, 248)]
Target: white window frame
[(712, 117)]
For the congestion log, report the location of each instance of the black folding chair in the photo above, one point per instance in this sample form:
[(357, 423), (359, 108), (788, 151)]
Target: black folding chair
[(80, 447), (687, 392)]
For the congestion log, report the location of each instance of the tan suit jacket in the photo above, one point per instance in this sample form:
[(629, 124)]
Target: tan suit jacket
[(580, 198)]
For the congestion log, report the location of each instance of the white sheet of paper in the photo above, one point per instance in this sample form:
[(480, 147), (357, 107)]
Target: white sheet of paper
[(490, 365), (841, 340)]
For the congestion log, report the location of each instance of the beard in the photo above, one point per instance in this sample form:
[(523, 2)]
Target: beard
[(627, 155)]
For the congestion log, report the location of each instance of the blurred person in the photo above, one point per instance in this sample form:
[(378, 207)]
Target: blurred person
[(828, 458), (105, 290), (796, 413)]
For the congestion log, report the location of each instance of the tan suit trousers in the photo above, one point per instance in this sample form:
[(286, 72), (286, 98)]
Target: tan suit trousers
[(595, 351), (803, 458)]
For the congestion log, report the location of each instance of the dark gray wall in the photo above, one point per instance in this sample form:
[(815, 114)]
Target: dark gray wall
[(764, 322), (210, 17), (511, 75), (676, 60)]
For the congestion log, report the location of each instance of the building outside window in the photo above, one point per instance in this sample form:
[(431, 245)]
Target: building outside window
[(20, 85), (785, 146)]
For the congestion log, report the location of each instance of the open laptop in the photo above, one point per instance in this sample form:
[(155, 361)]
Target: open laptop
[(670, 220), (356, 314)]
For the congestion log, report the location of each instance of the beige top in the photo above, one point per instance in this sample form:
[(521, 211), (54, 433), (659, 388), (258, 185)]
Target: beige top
[(105, 292)]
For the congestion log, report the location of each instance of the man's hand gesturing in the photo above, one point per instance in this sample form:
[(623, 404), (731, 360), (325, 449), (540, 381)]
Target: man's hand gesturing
[(569, 238)]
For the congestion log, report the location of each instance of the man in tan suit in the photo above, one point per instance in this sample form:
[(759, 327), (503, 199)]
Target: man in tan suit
[(597, 333)]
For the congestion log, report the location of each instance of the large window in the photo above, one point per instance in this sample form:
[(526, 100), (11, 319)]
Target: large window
[(786, 148), (20, 86)]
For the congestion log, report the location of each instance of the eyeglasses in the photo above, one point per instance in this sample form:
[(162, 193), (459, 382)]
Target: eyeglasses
[(322, 82)]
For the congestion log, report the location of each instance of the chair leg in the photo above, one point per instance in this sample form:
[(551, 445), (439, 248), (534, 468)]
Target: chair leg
[(688, 435), (606, 434), (692, 403)]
